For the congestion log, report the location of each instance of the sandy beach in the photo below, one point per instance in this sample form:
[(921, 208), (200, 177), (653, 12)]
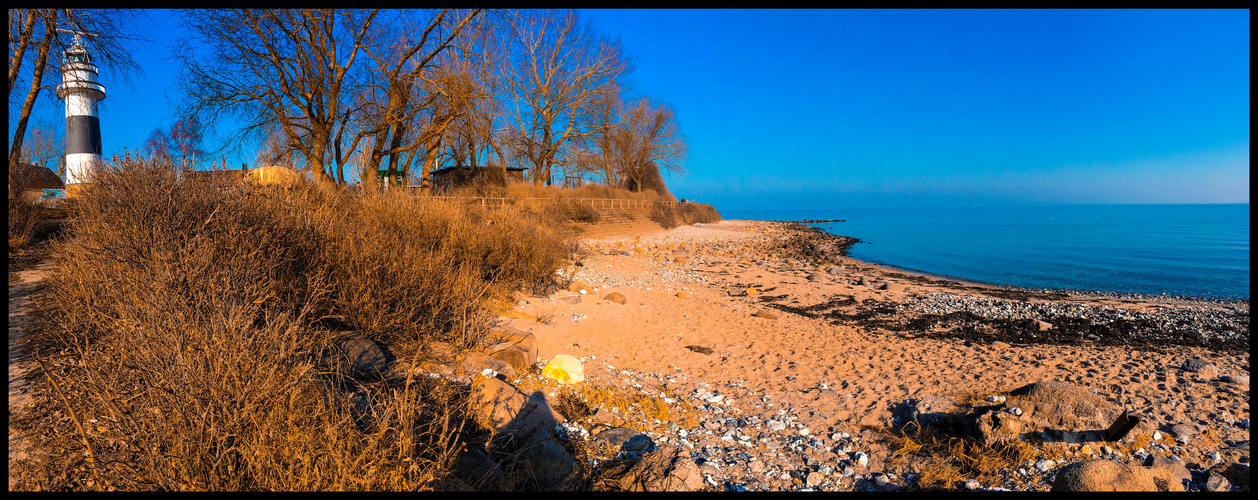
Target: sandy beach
[(794, 358)]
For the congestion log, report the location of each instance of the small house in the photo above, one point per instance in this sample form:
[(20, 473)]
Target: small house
[(451, 177)]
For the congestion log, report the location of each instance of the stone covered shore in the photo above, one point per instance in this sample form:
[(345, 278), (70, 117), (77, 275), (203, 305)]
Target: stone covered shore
[(792, 364)]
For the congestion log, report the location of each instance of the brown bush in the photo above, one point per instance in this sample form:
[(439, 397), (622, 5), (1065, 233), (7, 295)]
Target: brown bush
[(189, 316), (25, 217)]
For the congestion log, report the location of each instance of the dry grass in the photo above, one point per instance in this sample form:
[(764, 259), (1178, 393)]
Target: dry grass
[(25, 218), (187, 318)]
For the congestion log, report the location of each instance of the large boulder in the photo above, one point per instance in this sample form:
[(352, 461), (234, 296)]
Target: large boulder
[(1103, 475), (356, 356), (1169, 475), (1064, 406), (523, 425), (665, 469), (519, 349), (1061, 411)]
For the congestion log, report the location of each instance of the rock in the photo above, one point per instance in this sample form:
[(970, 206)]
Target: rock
[(1103, 475), (619, 437), (1237, 474), (1092, 337), (518, 349), (665, 469), (680, 260), (891, 287), (1066, 406), (699, 349), (580, 286), (616, 297), (750, 292), (1036, 325), (498, 406), (478, 471), (835, 270), (564, 369), (813, 479), (815, 277), (862, 281), (1241, 380), (475, 362), (1216, 482), (1201, 367), (1045, 465), (925, 411), (971, 484), (1169, 475), (682, 295), (999, 345), (765, 315), (356, 356), (548, 461), (1183, 432), (1065, 412)]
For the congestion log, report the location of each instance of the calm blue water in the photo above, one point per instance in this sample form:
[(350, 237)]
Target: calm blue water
[(1190, 250)]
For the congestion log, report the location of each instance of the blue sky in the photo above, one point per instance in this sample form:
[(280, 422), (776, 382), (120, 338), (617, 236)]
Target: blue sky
[(867, 108)]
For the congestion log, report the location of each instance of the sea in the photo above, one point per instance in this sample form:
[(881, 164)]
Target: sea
[(1199, 251)]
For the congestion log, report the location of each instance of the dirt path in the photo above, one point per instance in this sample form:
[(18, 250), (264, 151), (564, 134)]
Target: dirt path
[(20, 366)]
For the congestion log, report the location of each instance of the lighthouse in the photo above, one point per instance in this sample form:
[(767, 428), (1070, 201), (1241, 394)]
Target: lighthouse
[(82, 93)]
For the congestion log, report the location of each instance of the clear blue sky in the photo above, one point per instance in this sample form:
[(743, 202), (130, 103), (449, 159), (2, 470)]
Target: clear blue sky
[(856, 108)]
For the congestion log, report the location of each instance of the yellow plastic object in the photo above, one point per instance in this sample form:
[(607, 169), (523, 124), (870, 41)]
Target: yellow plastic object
[(274, 176), (564, 369)]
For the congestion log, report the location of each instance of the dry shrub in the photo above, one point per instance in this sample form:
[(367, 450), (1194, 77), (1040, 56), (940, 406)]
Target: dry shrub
[(25, 217), (190, 315)]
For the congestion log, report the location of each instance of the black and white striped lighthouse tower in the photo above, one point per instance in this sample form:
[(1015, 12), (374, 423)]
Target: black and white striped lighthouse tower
[(81, 92)]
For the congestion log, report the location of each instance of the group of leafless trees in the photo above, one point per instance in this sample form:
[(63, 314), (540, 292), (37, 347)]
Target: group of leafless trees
[(37, 38), (339, 92)]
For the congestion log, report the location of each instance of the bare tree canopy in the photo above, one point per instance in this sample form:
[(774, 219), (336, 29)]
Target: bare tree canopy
[(554, 67)]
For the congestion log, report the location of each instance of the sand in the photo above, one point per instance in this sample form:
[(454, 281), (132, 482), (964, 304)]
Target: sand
[(837, 377)]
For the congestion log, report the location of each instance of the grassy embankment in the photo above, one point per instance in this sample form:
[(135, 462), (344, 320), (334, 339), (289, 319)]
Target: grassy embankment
[(181, 331)]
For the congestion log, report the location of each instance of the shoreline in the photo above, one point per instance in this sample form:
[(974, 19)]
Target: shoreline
[(760, 347)]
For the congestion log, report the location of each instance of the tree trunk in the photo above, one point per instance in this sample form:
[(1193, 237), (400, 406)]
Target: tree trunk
[(37, 79)]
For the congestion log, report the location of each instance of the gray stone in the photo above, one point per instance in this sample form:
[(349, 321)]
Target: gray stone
[(926, 410), (1241, 380), (665, 469), (354, 355), (814, 277), (1216, 482), (1103, 475), (624, 438), (477, 470), (1201, 367), (519, 349), (835, 270), (862, 281), (1168, 474)]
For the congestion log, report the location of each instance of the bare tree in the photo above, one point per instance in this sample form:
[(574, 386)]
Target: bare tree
[(408, 86), (45, 147), (554, 66), (630, 143), (291, 68), (41, 35), (182, 142)]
